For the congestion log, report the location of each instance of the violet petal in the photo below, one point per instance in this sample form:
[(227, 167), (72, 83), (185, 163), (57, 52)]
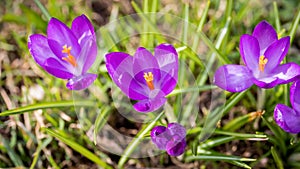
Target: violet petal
[(286, 72), (59, 35), (266, 82), (167, 82), (81, 82), (82, 29), (149, 105), (39, 49), (119, 66), (176, 129), (160, 137), (134, 90), (281, 75), (139, 77), (295, 96), (56, 69), (233, 78), (249, 49), (287, 118), (276, 52), (176, 146), (167, 59), (144, 60), (87, 55), (265, 34), (117, 63)]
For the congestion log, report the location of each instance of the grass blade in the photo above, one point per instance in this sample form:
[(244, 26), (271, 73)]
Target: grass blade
[(15, 158), (277, 19), (276, 158), (218, 158), (43, 9), (47, 105), (83, 151), (100, 121), (294, 27)]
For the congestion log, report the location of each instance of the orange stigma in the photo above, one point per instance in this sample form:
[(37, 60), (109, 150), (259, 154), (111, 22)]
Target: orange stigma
[(149, 80), (70, 58), (262, 63)]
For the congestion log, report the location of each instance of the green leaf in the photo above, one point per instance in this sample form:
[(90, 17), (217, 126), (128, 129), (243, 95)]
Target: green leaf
[(277, 19), (100, 121), (38, 150), (218, 158), (277, 159), (15, 158), (9, 17), (294, 26), (43, 9), (80, 149), (241, 121), (34, 18), (47, 105), (200, 25), (214, 116)]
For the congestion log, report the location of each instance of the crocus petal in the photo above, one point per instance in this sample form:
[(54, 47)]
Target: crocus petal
[(286, 73), (281, 75), (295, 96), (176, 146), (82, 29), (287, 118), (176, 129), (249, 49), (167, 82), (59, 35), (81, 82), (233, 78), (149, 105), (276, 52), (143, 60), (167, 59), (160, 137), (266, 82), (139, 77), (39, 49), (87, 55), (265, 34), (117, 63), (134, 90), (119, 67), (56, 69)]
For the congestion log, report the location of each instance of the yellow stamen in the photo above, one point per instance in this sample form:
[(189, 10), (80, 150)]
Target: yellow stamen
[(262, 63), (70, 58), (149, 80)]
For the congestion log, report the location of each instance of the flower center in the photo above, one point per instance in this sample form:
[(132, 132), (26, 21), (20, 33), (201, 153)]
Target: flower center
[(262, 63), (149, 80), (70, 58)]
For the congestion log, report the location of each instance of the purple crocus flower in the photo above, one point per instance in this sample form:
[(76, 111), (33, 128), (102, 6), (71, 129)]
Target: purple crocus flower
[(262, 53), (171, 138), (67, 53), (145, 77), (289, 118)]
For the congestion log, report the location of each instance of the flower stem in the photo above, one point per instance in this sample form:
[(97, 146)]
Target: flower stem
[(43, 9), (261, 98)]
